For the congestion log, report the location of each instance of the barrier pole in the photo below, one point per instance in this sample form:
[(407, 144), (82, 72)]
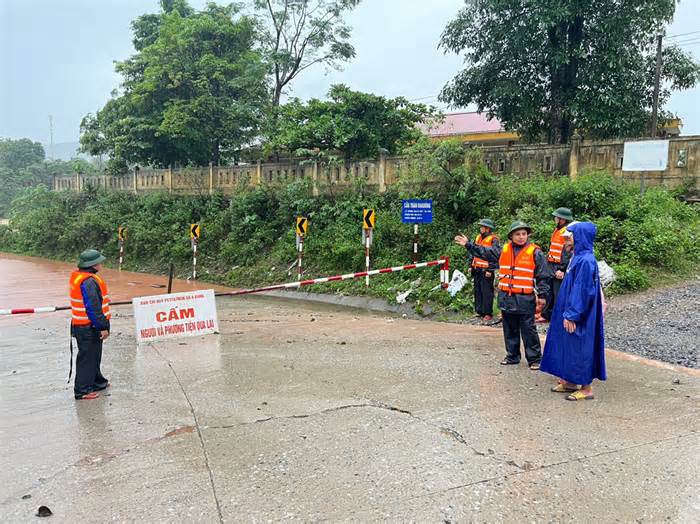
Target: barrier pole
[(335, 278), (443, 262), (170, 277), (445, 272)]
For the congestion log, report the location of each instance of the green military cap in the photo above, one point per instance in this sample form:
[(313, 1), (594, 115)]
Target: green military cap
[(487, 222), (518, 224), (89, 258), (564, 213)]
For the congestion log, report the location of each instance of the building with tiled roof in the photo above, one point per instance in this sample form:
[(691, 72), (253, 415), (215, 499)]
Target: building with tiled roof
[(471, 127)]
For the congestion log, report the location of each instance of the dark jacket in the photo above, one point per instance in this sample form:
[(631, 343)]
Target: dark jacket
[(520, 304), (92, 297)]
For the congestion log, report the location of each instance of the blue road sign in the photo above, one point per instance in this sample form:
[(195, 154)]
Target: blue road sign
[(417, 211)]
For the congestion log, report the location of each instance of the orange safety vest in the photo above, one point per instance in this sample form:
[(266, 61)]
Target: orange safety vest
[(556, 245), (488, 242), (79, 314), (517, 273)]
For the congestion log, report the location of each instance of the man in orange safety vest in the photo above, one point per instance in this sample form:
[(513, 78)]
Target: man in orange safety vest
[(90, 324), (557, 258)]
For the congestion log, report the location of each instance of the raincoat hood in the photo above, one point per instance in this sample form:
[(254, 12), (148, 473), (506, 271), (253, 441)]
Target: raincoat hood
[(584, 236)]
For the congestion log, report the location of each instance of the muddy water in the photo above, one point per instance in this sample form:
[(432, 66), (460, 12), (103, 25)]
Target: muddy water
[(34, 282)]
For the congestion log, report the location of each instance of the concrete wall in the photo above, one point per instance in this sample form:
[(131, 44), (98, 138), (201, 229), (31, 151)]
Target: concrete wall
[(571, 160)]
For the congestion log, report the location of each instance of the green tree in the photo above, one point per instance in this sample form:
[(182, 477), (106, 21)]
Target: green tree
[(351, 124), (550, 67), (21, 165), (195, 91), (18, 154), (302, 33)]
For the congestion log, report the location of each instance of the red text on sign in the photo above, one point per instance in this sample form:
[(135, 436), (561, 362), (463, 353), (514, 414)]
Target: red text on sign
[(175, 314)]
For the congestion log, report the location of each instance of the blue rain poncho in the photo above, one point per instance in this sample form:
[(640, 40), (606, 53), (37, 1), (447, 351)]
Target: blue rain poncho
[(578, 357)]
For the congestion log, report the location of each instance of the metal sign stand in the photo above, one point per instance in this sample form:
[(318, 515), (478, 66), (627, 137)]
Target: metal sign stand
[(194, 258), (367, 242), (302, 225), (121, 235), (300, 255), (415, 242)]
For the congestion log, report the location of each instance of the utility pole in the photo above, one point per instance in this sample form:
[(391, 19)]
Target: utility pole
[(657, 86)]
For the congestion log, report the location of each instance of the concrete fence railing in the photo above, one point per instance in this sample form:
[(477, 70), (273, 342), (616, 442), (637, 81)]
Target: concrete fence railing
[(378, 174)]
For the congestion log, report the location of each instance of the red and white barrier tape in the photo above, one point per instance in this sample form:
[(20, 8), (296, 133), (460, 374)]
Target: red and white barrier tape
[(444, 262), (444, 277), (47, 309)]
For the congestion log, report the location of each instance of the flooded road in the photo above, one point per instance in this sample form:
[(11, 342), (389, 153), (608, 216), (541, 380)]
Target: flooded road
[(45, 283), (296, 411)]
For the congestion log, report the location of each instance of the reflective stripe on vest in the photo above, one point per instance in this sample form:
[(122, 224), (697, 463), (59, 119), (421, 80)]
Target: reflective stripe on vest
[(78, 310), (556, 245), (488, 242), (517, 273)]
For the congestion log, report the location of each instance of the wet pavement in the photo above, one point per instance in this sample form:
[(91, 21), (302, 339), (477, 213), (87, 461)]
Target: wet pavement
[(302, 411)]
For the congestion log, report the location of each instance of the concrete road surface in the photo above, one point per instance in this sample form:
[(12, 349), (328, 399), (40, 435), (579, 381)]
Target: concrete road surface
[(307, 412)]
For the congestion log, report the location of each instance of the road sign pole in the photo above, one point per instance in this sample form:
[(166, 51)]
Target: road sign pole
[(302, 226), (121, 254), (300, 256), (368, 242), (194, 259), (415, 242)]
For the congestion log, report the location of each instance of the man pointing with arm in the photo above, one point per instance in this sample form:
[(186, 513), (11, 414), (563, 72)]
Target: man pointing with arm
[(523, 284)]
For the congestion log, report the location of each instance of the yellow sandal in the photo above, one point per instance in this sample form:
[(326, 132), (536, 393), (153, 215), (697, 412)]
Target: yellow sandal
[(580, 395), (562, 388)]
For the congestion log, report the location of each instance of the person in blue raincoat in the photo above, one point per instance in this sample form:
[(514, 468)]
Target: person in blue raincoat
[(575, 347)]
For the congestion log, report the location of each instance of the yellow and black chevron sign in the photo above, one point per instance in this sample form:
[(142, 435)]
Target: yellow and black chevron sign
[(195, 230), (368, 218), (121, 233), (302, 226)]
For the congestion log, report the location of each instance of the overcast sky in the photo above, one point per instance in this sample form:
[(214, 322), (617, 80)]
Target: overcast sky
[(56, 57)]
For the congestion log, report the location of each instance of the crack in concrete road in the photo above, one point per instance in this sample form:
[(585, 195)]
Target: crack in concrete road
[(449, 432), (309, 415), (524, 468), (553, 464), (515, 474), (199, 432)]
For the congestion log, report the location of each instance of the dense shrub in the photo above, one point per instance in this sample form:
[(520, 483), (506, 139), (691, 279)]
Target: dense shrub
[(248, 238)]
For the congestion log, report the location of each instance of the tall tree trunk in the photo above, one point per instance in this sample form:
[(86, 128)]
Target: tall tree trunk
[(276, 96), (555, 87), (565, 36), (574, 35)]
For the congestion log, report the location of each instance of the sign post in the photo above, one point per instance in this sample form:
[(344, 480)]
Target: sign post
[(645, 155), (369, 218), (175, 315), (302, 226), (416, 212), (121, 235), (195, 230)]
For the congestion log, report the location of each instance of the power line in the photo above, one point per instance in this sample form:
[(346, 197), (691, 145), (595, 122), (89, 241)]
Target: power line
[(422, 98), (685, 43), (687, 40), (681, 34)]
